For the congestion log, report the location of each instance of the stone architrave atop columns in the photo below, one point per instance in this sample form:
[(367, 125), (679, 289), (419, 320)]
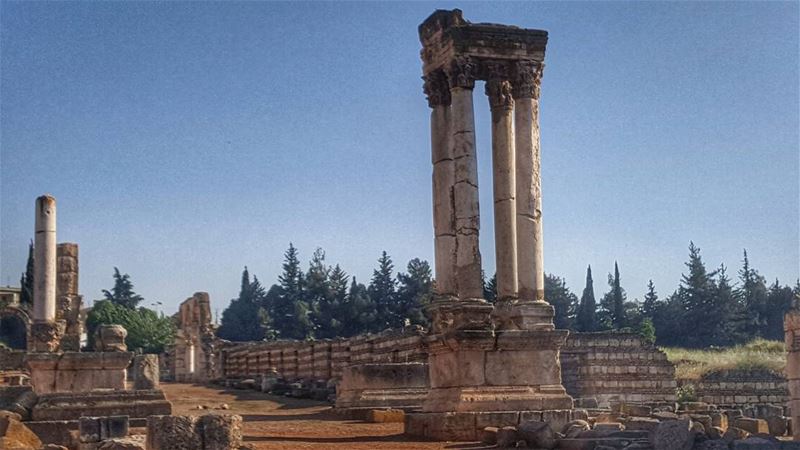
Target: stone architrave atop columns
[(490, 365), (503, 176), (438, 93)]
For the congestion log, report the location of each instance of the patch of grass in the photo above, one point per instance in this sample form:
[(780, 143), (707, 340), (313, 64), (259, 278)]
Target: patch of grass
[(691, 364)]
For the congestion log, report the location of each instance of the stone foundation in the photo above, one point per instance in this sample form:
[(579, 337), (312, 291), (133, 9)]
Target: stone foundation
[(738, 388), (467, 426), (388, 385), (78, 372), (71, 406)]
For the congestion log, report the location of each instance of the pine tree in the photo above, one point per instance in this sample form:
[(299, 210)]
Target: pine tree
[(729, 326), (613, 303), (339, 314), (292, 314), (26, 282), (382, 292), (650, 301), (586, 319), (245, 319), (414, 293), (753, 294), (489, 288), (318, 295), (779, 300), (360, 311), (563, 301), (696, 293), (122, 293)]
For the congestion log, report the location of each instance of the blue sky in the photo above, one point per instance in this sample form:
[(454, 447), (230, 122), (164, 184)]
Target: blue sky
[(186, 140)]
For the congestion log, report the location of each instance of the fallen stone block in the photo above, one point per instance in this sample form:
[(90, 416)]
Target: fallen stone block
[(172, 433), (489, 435), (15, 433), (221, 432), (751, 425), (673, 435), (537, 434), (777, 425), (506, 437)]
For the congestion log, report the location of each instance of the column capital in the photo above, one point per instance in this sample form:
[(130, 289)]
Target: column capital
[(462, 72), (436, 89), (526, 78), (499, 93)]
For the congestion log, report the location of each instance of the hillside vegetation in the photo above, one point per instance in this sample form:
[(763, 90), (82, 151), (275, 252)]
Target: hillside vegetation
[(691, 364)]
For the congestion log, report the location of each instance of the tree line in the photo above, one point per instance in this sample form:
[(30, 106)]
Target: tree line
[(708, 308), (323, 301)]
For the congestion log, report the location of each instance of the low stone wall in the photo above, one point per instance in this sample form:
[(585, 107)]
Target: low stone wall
[(612, 366), (12, 360), (323, 359), (607, 366), (736, 388)]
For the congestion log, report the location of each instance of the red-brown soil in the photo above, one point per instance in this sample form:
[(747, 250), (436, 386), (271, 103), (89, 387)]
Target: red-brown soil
[(273, 422)]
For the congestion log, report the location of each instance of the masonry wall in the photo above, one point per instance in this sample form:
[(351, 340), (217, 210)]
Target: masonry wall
[(611, 366), (607, 366), (736, 388)]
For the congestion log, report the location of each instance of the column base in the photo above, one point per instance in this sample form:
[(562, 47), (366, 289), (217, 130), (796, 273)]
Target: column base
[(533, 315), (45, 337), (500, 373), (449, 314)]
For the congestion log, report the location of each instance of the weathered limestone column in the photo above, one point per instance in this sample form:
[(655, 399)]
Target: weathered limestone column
[(45, 332), (531, 312), (438, 92), (530, 249), (791, 327), (68, 301), (465, 189), (44, 260), (505, 229)]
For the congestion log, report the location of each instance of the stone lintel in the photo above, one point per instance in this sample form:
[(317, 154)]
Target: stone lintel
[(446, 35)]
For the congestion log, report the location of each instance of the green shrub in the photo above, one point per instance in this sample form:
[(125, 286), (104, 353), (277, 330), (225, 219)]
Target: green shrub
[(147, 330)]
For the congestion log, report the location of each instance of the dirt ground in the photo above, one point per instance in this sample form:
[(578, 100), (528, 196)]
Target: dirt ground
[(272, 422)]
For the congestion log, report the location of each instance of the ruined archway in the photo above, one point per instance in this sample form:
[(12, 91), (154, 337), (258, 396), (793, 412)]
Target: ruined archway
[(14, 324)]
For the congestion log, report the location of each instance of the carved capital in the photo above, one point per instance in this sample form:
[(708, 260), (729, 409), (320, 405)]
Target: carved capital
[(462, 73), (526, 79), (499, 93), (436, 89), (46, 336)]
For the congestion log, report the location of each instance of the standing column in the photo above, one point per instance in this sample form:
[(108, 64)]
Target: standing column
[(505, 228), (44, 261), (530, 248), (438, 93), (465, 189)]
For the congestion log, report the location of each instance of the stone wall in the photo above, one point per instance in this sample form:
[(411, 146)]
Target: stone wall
[(612, 366), (323, 359), (736, 388), (12, 360), (607, 366)]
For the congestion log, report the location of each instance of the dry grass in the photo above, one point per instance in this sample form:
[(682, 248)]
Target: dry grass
[(758, 354)]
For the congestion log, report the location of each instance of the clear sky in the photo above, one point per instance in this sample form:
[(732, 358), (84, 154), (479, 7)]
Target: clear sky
[(185, 140)]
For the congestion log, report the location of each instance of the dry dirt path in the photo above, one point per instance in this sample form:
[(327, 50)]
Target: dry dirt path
[(273, 422)]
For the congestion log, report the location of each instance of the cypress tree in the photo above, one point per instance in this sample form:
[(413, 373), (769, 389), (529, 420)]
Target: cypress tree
[(26, 282), (586, 319), (122, 293)]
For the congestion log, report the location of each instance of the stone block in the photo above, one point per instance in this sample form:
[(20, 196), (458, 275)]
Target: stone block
[(145, 372), (778, 425), (89, 430), (172, 433), (386, 416), (672, 435), (14, 434), (221, 432), (751, 425)]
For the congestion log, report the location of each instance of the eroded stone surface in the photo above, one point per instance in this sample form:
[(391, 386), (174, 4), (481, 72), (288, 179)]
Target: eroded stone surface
[(221, 432), (145, 372), (172, 433)]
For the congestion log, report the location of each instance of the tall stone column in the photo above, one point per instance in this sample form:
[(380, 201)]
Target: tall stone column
[(45, 332), (529, 187), (532, 311), (438, 92), (44, 260), (465, 189), (505, 228), (791, 328)]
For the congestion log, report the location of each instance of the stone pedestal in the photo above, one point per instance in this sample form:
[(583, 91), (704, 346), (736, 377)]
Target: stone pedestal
[(388, 385), (78, 372), (482, 373)]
